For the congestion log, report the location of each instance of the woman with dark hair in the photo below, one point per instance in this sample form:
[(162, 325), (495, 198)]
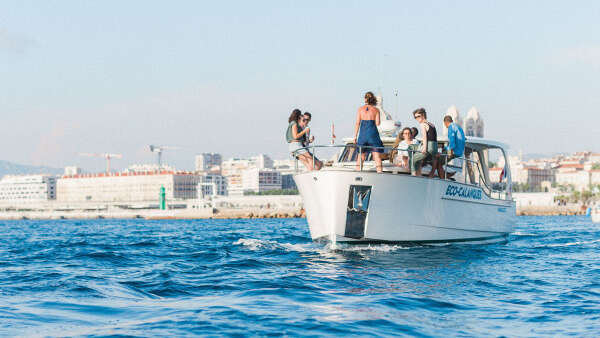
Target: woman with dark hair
[(295, 136), (404, 140), (366, 133)]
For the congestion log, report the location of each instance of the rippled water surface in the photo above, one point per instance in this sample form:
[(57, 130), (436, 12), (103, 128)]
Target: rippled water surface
[(266, 277)]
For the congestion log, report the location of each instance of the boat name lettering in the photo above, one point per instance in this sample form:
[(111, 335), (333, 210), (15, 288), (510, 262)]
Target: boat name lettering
[(463, 192)]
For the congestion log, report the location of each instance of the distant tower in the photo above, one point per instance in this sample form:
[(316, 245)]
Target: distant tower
[(453, 112), (473, 125)]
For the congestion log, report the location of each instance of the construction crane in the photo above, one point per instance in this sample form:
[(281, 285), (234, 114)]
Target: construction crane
[(159, 150), (105, 155)]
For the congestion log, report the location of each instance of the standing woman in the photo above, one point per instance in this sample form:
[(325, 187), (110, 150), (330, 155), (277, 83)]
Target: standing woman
[(428, 148), (367, 120), (295, 136)]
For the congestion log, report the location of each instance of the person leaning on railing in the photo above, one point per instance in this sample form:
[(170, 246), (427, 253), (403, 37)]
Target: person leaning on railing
[(308, 139), (429, 146), (456, 144), (295, 136)]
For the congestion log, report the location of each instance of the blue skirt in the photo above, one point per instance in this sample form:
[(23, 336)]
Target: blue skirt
[(368, 135)]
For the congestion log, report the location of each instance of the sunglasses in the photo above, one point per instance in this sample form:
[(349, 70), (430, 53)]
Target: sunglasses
[(306, 120), (417, 116)]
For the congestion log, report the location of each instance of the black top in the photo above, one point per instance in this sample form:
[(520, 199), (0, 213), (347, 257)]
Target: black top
[(431, 132)]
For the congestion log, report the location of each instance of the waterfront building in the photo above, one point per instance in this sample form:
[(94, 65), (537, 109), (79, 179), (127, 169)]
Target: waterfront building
[(261, 161), (233, 169), (595, 176), (18, 189), (259, 180), (594, 158), (206, 162), (72, 170), (148, 168), (212, 185), (126, 187), (579, 179), (534, 199)]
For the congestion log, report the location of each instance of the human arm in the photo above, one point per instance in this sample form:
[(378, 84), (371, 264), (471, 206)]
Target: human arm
[(378, 117), (424, 133), (451, 138), (297, 134), (394, 151)]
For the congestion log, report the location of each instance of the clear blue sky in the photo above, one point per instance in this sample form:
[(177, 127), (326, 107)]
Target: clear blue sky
[(115, 76)]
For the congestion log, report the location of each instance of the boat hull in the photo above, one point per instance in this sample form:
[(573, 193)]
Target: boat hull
[(400, 208)]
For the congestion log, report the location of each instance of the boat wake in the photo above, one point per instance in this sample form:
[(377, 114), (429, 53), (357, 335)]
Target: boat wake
[(254, 244)]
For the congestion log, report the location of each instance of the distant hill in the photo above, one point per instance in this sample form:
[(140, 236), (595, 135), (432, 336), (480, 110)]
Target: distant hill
[(9, 168)]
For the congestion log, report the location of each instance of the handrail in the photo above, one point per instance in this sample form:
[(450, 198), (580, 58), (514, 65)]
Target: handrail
[(465, 169)]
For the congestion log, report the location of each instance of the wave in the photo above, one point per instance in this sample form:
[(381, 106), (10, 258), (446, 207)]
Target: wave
[(254, 244), (558, 245)]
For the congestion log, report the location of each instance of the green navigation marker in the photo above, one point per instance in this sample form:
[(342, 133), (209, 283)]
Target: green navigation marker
[(162, 199)]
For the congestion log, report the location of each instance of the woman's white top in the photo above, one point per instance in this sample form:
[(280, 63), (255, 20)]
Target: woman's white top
[(404, 145)]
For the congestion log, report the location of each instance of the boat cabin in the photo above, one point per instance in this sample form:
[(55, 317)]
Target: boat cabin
[(483, 164)]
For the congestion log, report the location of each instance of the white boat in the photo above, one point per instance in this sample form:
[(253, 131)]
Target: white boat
[(349, 203)]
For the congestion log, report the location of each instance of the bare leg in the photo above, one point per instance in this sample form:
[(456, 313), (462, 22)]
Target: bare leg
[(318, 165), (307, 160), (441, 173), (434, 165), (378, 166), (358, 160)]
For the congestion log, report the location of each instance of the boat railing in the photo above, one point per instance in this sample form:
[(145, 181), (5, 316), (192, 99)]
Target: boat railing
[(468, 166)]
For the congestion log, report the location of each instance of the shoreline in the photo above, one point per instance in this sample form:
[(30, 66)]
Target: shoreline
[(226, 213), (155, 214)]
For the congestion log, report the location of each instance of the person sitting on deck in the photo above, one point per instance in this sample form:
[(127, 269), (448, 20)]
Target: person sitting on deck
[(456, 144), (399, 156), (308, 139), (295, 136), (428, 147)]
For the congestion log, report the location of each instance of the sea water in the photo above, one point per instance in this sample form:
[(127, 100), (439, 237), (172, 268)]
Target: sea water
[(266, 277)]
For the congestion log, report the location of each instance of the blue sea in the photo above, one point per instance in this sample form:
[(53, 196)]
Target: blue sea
[(267, 278)]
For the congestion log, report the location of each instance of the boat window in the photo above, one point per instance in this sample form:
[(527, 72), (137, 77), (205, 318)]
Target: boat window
[(497, 172), (350, 154), (485, 167)]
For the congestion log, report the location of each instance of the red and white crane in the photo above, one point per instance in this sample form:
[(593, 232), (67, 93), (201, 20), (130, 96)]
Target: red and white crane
[(106, 156)]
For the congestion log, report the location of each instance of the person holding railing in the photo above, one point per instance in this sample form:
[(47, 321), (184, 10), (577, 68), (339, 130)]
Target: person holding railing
[(308, 139), (456, 143), (429, 146), (366, 133), (295, 136)]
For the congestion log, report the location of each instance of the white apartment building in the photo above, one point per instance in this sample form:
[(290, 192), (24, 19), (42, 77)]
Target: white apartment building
[(19, 189), (233, 169), (595, 176), (580, 179), (127, 186), (212, 185), (259, 180), (208, 161), (72, 170)]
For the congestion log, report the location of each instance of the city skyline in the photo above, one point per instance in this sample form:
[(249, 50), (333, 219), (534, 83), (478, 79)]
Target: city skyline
[(82, 77)]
